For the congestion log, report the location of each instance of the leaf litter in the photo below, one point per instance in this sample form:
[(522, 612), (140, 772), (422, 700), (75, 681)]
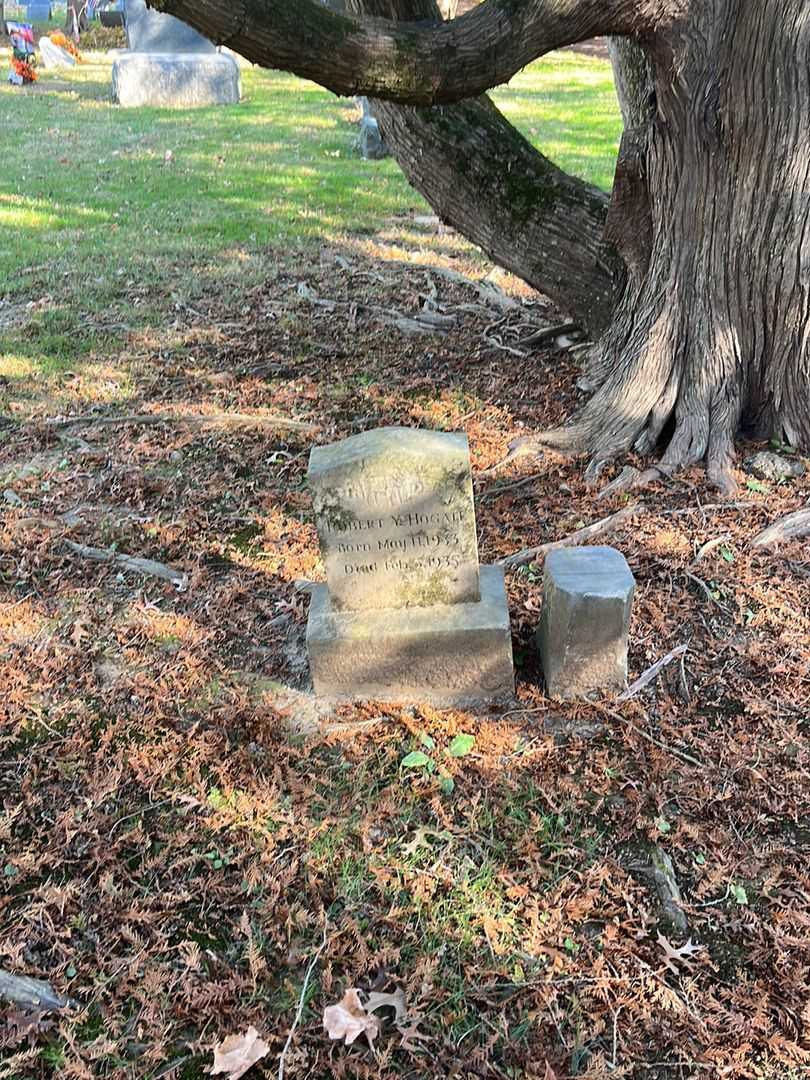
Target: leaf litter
[(172, 838)]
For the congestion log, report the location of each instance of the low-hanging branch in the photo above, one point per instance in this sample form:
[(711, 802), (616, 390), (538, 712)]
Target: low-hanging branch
[(411, 63)]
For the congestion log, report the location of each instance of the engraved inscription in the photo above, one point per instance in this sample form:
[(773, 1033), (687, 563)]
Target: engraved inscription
[(395, 519)]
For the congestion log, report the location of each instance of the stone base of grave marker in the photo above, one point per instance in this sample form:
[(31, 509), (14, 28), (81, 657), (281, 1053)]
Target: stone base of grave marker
[(452, 655), (587, 600), (175, 80)]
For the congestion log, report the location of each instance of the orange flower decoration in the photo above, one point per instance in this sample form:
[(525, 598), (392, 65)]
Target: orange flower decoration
[(64, 42), (24, 70)]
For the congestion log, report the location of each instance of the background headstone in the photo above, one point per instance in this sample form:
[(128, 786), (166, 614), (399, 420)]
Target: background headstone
[(151, 31), (587, 601), (406, 614), (54, 56), (175, 80), (38, 12), (370, 142), (170, 65)]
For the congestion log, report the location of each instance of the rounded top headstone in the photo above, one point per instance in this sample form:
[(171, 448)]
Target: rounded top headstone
[(395, 518), (152, 31)]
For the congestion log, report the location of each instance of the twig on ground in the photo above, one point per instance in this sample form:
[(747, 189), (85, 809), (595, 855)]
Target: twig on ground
[(131, 562), (493, 344), (581, 536), (226, 420), (791, 527), (301, 1001), (711, 508), (705, 589), (422, 322), (651, 673), (21, 990), (548, 333), (709, 546), (681, 754), (144, 810), (501, 489)]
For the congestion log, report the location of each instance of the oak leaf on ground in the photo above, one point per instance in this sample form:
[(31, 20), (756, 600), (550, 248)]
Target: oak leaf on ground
[(348, 1019), (236, 1054), (682, 954)]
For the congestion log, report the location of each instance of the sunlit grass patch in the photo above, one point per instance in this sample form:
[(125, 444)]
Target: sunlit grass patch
[(100, 203)]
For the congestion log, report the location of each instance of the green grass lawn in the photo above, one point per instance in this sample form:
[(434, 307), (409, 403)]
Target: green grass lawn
[(114, 213)]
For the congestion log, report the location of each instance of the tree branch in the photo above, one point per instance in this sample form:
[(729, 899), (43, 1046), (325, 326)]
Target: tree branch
[(412, 63), (482, 177)]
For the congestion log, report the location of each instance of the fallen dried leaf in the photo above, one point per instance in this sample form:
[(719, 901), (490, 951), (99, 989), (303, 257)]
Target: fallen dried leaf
[(681, 955), (395, 1001), (237, 1053), (24, 1024), (348, 1019)]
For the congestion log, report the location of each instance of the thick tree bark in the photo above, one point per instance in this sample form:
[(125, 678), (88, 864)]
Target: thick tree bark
[(412, 63), (482, 177), (717, 332)]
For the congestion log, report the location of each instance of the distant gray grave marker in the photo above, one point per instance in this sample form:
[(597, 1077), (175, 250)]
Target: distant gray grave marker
[(171, 64), (152, 31), (38, 12)]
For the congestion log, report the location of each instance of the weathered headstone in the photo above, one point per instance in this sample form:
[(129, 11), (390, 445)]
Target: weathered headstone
[(370, 142), (54, 56), (587, 601), (170, 64), (396, 520), (407, 613), (151, 31)]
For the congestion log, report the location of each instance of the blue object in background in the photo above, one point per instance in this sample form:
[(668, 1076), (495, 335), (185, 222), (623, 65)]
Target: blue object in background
[(38, 12)]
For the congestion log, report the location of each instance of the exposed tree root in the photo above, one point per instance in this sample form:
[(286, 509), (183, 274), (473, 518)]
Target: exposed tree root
[(581, 536), (33, 993), (791, 527), (652, 385)]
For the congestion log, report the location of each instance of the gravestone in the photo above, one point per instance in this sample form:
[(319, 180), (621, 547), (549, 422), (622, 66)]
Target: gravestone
[(587, 601), (151, 31), (406, 612), (170, 64), (54, 56), (370, 142)]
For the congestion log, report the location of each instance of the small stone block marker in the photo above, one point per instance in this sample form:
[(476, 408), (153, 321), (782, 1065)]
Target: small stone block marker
[(587, 600), (406, 614)]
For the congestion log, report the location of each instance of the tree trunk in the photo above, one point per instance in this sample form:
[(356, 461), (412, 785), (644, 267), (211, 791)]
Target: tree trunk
[(76, 19), (482, 177), (716, 333), (710, 209)]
